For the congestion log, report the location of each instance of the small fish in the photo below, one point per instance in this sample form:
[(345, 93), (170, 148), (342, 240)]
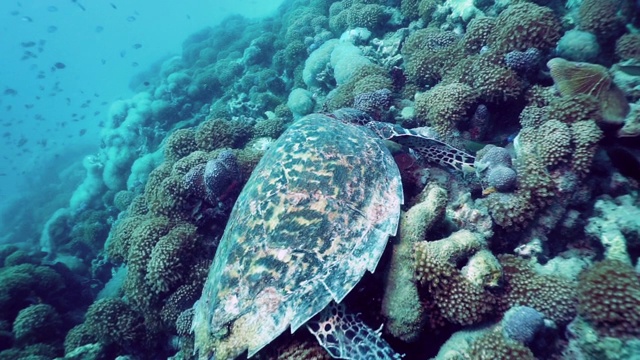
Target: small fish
[(123, 53), (83, 131), (134, 64), (26, 19), (23, 140), (81, 6), (136, 46), (113, 6), (28, 106), (28, 44), (51, 29), (10, 91), (131, 18), (59, 65), (52, 8), (103, 61), (99, 29), (146, 83)]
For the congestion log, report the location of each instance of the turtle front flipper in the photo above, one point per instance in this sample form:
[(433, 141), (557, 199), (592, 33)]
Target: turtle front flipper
[(426, 148)]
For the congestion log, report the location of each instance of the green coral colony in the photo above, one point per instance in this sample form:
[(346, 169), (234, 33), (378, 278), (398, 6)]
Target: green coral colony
[(461, 176)]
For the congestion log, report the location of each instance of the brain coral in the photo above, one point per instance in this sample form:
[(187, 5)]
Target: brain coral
[(609, 298), (525, 25)]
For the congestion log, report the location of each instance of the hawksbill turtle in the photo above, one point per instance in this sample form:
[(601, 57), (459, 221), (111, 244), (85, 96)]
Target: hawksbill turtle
[(315, 214)]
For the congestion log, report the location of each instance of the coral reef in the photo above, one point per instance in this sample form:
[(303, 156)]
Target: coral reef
[(609, 298), (128, 247), (401, 302)]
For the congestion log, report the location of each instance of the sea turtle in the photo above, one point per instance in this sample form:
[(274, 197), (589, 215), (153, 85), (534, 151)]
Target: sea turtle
[(316, 213)]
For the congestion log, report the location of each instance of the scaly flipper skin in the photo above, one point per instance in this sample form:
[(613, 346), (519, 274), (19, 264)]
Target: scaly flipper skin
[(314, 216), (344, 336)]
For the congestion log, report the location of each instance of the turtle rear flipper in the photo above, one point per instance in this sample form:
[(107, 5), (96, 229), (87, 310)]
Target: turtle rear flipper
[(344, 336)]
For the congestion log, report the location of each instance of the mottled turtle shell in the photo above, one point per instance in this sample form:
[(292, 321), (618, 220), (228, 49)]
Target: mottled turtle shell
[(315, 214)]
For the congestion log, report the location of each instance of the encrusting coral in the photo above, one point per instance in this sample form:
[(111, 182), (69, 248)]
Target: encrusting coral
[(401, 303)]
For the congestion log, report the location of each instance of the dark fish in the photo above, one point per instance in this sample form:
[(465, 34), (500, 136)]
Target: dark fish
[(131, 18), (28, 106), (81, 6), (103, 61), (10, 91), (137, 46), (99, 28), (134, 64), (23, 140), (51, 29), (146, 83), (52, 8), (60, 65), (15, 13), (188, 17), (28, 44), (26, 19), (113, 6), (28, 55), (123, 53), (83, 131)]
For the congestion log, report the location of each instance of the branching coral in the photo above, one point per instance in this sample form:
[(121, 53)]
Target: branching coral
[(114, 321), (220, 133), (600, 17), (477, 35), (492, 82), (457, 299), (609, 298), (170, 257), (444, 106), (628, 47), (179, 144), (585, 136), (493, 345), (553, 296), (525, 25), (36, 323)]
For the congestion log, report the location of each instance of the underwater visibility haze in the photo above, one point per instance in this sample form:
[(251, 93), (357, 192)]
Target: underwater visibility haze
[(314, 179)]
